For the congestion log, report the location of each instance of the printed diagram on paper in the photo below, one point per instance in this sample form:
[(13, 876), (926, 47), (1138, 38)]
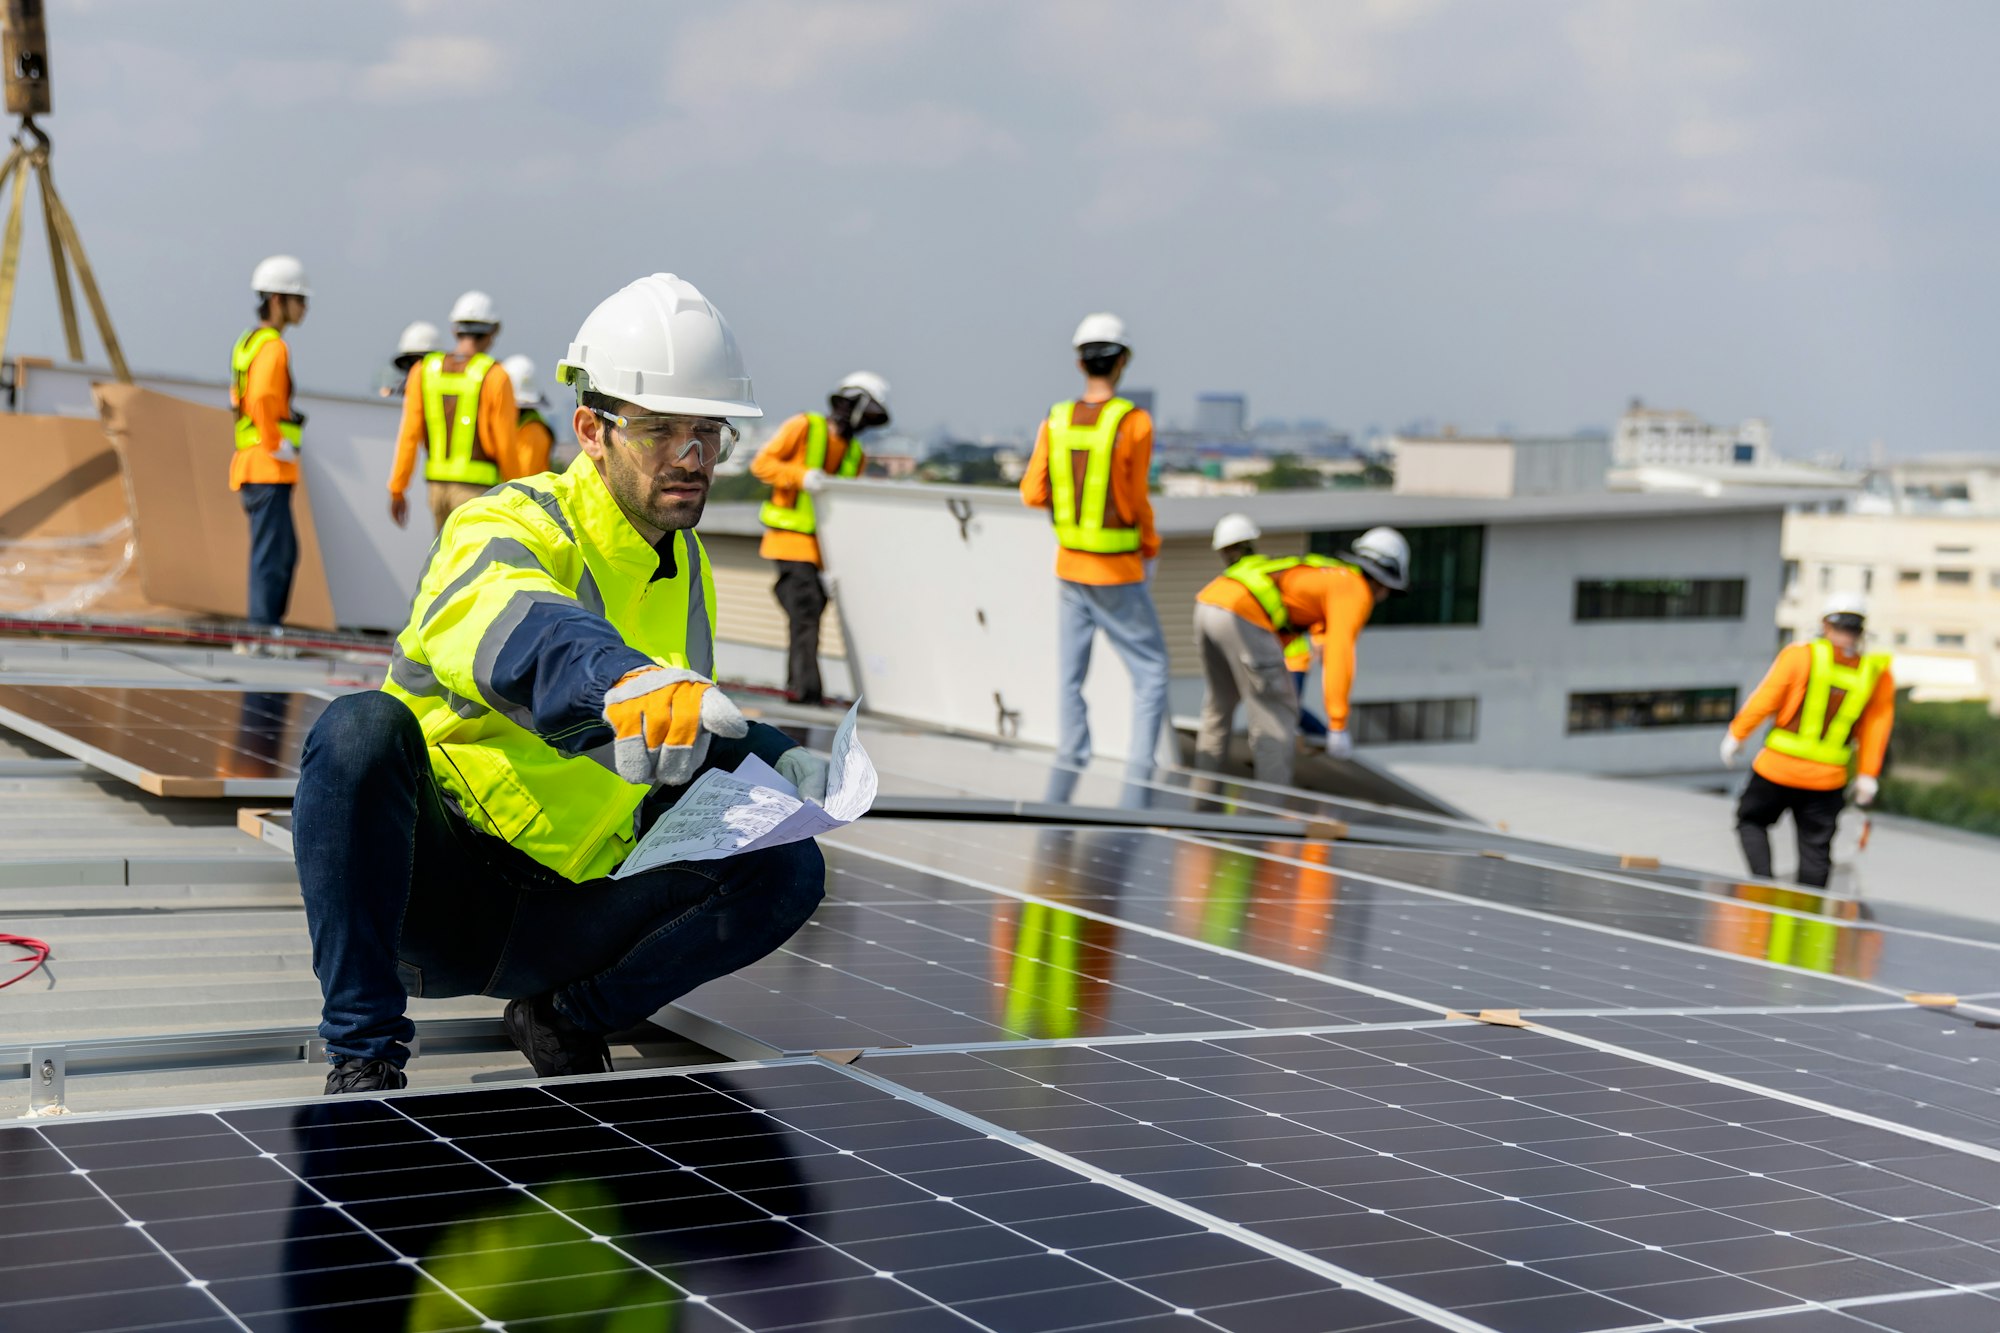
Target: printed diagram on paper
[(724, 814)]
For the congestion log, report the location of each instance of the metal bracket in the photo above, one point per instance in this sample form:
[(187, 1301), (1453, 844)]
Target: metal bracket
[(48, 1066)]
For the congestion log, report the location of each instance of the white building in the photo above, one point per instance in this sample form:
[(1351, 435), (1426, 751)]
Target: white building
[(1674, 437)]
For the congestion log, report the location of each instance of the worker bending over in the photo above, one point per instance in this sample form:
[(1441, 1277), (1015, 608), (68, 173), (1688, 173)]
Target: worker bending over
[(459, 408), (418, 340), (532, 437), (795, 464), (1089, 470), (265, 468), (1835, 706), (455, 832), (1248, 622)]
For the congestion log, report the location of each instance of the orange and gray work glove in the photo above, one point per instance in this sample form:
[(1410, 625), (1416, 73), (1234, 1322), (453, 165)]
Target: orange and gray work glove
[(662, 719)]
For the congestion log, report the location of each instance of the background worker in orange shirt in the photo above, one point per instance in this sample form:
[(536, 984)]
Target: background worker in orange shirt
[(1835, 707), (459, 407), (795, 464), (532, 437), (1090, 471), (1246, 620), (266, 465)]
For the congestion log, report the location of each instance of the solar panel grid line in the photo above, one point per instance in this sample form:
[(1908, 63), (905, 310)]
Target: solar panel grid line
[(1142, 1038), (1703, 949), (1857, 1306), (193, 1282), (1915, 1281), (1720, 1010), (1332, 1272), (1153, 931)]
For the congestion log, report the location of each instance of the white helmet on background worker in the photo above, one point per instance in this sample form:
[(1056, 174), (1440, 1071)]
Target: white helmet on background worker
[(475, 313), (521, 371), (1846, 610), (1383, 555), (280, 275), (868, 382), (1100, 328), (660, 345), (1234, 530), (420, 338)]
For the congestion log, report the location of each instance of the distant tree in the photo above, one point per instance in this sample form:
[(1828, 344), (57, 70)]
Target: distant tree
[(1287, 474), (738, 487)]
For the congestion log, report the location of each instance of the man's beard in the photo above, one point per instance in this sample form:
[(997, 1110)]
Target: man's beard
[(636, 491)]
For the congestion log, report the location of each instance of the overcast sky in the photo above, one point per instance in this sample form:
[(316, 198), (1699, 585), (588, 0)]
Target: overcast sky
[(1470, 211)]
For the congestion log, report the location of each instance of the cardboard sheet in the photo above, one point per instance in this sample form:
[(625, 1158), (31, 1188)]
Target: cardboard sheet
[(65, 532), (193, 537)]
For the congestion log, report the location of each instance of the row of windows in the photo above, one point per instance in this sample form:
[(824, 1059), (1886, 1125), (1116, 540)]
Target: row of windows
[(1412, 721), (1943, 577), (1659, 599)]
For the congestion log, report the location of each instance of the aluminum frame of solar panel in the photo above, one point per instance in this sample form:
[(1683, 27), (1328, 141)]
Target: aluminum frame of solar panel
[(1518, 1179), (789, 1196), (180, 743)]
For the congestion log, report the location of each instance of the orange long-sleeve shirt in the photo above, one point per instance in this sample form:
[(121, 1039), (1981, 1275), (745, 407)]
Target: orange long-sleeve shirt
[(1782, 695), (1333, 605), (495, 434), (532, 441), (781, 465), (267, 400), (1128, 505)]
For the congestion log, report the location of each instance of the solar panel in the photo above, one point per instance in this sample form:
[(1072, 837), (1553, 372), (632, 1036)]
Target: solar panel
[(785, 1196), (196, 743), (1405, 941), (1517, 1179)]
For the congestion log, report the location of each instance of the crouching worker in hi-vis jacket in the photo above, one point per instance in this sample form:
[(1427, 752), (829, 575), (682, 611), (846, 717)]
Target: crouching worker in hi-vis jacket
[(551, 695), (1834, 707)]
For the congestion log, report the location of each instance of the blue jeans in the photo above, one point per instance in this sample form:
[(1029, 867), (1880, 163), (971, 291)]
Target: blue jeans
[(1124, 611), (403, 897), (274, 549), (1309, 723)]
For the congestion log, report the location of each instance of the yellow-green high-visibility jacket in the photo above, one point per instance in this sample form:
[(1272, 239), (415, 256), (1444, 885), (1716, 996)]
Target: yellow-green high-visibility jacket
[(1080, 517), (538, 596), (453, 450), (797, 514)]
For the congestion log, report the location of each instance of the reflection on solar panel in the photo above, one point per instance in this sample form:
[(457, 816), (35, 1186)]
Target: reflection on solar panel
[(777, 1197), (172, 742)]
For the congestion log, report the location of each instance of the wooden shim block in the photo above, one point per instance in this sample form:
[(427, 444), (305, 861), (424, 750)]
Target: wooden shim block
[(1326, 830), (839, 1057), (1932, 999), (1632, 862), (1503, 1018)]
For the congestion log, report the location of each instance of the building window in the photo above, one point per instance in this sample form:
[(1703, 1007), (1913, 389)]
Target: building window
[(1909, 576), (1954, 578), (1826, 578), (1744, 453), (1659, 599), (1902, 638), (1785, 636), (1632, 710), (1954, 550), (1444, 575), (1949, 640), (1406, 721), (1791, 575), (1868, 580)]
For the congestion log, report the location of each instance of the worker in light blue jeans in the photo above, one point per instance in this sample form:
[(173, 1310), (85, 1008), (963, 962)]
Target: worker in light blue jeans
[(1125, 612)]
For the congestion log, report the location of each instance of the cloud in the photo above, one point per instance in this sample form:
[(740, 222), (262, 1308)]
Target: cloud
[(766, 47), (434, 67)]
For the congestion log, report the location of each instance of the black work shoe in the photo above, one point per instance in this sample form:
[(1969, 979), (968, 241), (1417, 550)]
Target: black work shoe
[(364, 1076), (554, 1046)]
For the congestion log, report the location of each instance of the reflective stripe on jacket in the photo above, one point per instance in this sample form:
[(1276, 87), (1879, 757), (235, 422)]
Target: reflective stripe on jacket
[(538, 596), (453, 449), (1080, 515), (795, 512)]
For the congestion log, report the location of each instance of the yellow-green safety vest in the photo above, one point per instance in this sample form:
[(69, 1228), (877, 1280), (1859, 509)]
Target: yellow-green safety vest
[(246, 351), (452, 450), (1816, 736), (1257, 574), (798, 516), (555, 538), (1079, 520)]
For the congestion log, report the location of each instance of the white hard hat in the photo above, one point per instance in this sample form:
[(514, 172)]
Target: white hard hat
[(1384, 556), (1848, 605), (869, 383), (1100, 328), (476, 309), (658, 344), (280, 275), (420, 337), (521, 370), (1232, 529)]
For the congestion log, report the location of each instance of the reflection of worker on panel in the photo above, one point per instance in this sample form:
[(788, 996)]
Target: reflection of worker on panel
[(265, 469), (1835, 706), (1058, 963)]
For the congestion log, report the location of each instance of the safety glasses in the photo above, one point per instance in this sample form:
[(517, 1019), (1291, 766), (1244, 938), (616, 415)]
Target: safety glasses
[(707, 439)]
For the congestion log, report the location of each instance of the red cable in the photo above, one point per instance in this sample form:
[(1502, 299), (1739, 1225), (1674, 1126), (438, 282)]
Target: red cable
[(38, 951)]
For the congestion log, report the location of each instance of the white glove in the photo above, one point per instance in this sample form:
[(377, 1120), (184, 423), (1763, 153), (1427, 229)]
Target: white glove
[(1339, 745), (814, 480), (1865, 789), (804, 770), (286, 452), (1731, 747), (661, 721)]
